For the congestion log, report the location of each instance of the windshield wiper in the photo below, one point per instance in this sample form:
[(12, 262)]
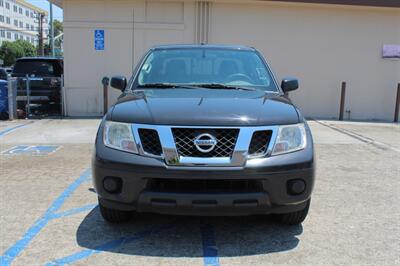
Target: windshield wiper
[(194, 86), (222, 86), (166, 86)]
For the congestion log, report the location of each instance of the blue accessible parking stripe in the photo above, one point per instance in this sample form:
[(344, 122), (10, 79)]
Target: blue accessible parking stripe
[(210, 250), (88, 207), (11, 253), (9, 130), (112, 244)]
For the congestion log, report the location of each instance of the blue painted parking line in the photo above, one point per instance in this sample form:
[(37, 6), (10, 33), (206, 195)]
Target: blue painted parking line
[(9, 130), (210, 250), (113, 244), (73, 211), (11, 253)]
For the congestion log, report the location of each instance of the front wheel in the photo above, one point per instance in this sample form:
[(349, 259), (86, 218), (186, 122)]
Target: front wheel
[(293, 218), (114, 216)]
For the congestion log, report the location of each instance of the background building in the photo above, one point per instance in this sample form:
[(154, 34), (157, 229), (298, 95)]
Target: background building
[(322, 42), (20, 20)]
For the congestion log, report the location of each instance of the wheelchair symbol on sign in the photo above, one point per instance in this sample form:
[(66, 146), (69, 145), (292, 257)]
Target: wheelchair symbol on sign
[(99, 40), (31, 150)]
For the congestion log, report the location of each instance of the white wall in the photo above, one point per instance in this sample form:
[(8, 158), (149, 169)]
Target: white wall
[(322, 45), (131, 28)]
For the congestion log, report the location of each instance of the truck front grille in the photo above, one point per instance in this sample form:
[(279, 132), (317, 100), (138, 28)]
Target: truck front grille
[(259, 142), (185, 142), (150, 141)]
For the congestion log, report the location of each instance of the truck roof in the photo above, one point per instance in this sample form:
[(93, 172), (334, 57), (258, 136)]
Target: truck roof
[(40, 58), (202, 46)]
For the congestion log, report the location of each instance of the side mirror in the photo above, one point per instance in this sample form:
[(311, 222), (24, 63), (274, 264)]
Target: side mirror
[(118, 83), (289, 84)]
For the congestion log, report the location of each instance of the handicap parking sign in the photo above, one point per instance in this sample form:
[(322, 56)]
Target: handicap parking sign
[(99, 40)]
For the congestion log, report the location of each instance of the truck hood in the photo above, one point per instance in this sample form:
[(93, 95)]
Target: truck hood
[(204, 107)]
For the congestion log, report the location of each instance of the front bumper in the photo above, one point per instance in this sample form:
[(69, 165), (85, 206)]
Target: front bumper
[(136, 172)]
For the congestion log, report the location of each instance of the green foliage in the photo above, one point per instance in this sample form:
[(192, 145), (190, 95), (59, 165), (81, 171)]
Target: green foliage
[(10, 51), (29, 48), (58, 29)]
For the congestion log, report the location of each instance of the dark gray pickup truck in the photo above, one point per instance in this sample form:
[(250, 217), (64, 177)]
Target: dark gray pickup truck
[(204, 130)]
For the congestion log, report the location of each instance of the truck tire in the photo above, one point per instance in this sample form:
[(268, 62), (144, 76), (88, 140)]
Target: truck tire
[(114, 216), (293, 218)]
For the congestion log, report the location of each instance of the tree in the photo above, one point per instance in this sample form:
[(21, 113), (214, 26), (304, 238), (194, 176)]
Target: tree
[(10, 51), (29, 48), (58, 29)]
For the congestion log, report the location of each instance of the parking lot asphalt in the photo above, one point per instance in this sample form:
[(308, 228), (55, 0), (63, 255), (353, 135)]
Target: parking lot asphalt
[(49, 213)]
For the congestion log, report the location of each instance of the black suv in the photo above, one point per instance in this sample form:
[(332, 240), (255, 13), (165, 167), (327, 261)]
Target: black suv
[(45, 85), (204, 130)]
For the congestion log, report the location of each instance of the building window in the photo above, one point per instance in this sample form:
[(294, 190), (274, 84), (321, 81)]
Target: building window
[(15, 23), (15, 8), (21, 24), (8, 35), (8, 5), (8, 20), (27, 26), (1, 3), (1, 18), (32, 28), (27, 13), (20, 10), (15, 36), (3, 34)]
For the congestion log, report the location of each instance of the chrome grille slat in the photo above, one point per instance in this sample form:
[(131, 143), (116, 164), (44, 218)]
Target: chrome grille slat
[(226, 141), (237, 155)]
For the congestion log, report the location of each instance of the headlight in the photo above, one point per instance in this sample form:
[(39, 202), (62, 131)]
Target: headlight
[(119, 136), (290, 138)]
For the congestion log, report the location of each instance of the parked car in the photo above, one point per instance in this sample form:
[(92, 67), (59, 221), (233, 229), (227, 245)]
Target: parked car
[(204, 130), (45, 82), (3, 74)]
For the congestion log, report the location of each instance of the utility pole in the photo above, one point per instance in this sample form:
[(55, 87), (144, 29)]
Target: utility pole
[(41, 45), (52, 30)]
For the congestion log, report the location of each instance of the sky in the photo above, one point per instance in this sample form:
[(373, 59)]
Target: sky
[(44, 4)]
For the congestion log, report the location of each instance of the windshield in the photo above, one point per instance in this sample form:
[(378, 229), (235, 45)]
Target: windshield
[(225, 67), (37, 67)]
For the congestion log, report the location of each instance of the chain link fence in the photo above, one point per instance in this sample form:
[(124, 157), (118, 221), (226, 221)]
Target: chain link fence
[(35, 97)]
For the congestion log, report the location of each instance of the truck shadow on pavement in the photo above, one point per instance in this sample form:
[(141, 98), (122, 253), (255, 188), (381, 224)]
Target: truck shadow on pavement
[(176, 236)]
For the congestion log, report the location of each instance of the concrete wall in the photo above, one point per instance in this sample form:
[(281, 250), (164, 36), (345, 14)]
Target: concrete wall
[(322, 45), (131, 28)]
